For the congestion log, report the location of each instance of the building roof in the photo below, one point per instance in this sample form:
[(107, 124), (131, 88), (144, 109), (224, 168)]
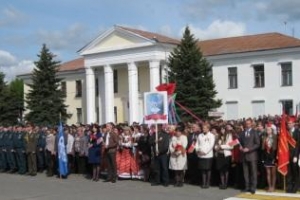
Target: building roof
[(249, 43), (72, 65), (152, 36), (222, 46)]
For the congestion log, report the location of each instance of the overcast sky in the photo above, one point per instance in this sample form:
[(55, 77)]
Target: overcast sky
[(67, 25)]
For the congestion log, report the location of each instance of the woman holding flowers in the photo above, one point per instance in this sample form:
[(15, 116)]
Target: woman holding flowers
[(178, 157)]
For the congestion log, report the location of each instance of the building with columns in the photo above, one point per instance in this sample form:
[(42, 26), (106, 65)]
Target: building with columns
[(254, 75)]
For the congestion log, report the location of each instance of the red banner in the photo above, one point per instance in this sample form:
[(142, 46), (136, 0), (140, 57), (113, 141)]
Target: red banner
[(156, 117), (283, 148)]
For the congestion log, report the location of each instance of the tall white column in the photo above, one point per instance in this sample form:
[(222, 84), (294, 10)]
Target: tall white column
[(133, 93), (154, 74), (109, 93), (164, 74), (90, 95), (101, 95)]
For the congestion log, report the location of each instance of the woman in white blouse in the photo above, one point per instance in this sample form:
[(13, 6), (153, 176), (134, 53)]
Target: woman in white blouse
[(178, 157), (204, 148), (223, 148)]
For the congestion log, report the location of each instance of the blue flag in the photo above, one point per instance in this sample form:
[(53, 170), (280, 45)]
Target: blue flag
[(62, 154)]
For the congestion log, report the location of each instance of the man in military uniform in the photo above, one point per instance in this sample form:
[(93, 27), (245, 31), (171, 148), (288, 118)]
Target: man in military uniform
[(10, 151), (31, 151), (20, 147), (3, 162), (41, 144)]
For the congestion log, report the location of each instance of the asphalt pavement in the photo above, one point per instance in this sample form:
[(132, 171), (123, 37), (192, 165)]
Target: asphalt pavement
[(76, 187)]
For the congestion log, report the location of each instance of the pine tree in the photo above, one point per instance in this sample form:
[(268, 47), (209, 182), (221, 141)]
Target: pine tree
[(3, 99), (45, 100), (11, 101), (192, 74)]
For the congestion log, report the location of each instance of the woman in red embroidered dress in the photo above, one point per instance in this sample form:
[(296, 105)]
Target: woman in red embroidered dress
[(126, 163)]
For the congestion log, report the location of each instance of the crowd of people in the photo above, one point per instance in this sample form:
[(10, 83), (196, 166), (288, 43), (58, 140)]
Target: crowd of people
[(206, 153)]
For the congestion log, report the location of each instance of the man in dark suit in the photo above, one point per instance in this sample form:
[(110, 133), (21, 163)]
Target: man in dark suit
[(160, 149), (249, 145), (111, 141), (293, 168), (193, 174)]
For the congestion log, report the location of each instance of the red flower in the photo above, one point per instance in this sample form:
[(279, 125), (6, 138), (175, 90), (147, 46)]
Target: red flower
[(178, 147)]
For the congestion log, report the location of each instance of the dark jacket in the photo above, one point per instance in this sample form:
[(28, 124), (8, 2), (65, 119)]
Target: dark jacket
[(163, 143), (41, 143), (294, 152), (252, 142), (19, 140), (113, 140)]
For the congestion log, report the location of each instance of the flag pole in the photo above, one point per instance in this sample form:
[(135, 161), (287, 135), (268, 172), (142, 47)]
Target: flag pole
[(284, 183), (156, 138)]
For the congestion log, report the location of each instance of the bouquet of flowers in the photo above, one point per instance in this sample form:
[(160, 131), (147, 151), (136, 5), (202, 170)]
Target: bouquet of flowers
[(93, 139), (179, 149)]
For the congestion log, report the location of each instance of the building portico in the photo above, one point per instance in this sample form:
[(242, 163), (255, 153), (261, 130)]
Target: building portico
[(115, 51)]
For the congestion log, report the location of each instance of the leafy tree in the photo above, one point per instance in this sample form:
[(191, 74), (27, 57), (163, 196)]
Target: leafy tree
[(45, 100), (192, 74)]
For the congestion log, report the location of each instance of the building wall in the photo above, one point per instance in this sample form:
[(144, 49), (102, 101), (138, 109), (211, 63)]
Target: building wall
[(246, 93), (121, 98), (71, 100)]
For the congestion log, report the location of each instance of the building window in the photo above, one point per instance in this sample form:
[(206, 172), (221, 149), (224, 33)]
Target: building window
[(115, 81), (79, 115), (96, 87), (64, 88), (258, 108), (287, 106), (232, 77), (116, 113), (78, 88), (232, 110), (286, 74), (97, 114), (259, 76)]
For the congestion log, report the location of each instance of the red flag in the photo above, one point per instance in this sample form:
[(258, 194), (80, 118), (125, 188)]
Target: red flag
[(283, 148), (169, 87)]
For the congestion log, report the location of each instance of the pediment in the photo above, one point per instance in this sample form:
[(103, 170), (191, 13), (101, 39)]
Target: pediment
[(114, 39)]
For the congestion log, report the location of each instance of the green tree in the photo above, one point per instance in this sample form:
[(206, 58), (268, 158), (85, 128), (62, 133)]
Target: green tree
[(192, 74), (3, 99), (11, 101), (16, 90), (45, 101)]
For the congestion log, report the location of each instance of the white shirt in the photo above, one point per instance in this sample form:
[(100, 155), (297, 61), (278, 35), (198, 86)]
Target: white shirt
[(70, 144), (205, 143), (107, 139)]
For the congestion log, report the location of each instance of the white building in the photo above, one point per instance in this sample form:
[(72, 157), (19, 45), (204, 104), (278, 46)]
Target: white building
[(254, 75)]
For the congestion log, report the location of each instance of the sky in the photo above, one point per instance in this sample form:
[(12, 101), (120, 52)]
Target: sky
[(65, 26)]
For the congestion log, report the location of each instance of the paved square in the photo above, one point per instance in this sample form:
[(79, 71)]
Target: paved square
[(16, 187)]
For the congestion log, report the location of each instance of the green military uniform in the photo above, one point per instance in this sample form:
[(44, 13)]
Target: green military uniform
[(20, 147), (31, 153)]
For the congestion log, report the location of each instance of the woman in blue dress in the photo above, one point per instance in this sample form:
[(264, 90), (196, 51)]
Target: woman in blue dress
[(94, 155)]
